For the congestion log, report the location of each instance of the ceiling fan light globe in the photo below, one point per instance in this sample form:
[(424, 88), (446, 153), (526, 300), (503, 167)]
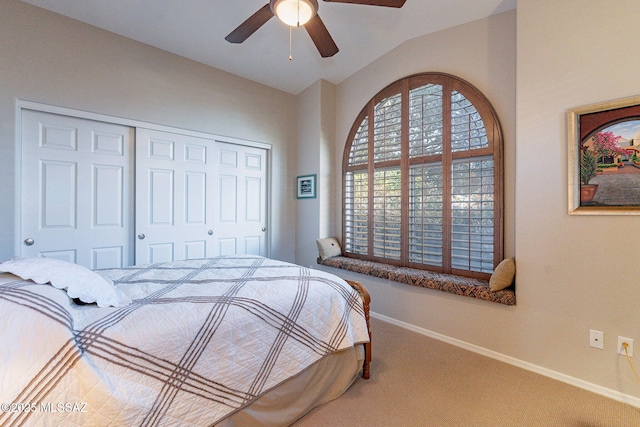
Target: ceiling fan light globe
[(295, 12)]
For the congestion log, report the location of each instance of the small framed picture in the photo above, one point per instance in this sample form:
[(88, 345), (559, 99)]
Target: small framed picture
[(306, 187)]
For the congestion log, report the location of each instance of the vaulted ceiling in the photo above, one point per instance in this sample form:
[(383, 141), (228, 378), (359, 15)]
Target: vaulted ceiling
[(196, 29)]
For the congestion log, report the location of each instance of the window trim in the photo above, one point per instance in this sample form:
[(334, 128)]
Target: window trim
[(495, 148)]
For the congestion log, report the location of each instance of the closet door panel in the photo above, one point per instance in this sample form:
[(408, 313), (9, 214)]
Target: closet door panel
[(174, 207), (242, 199), (76, 195), (58, 189)]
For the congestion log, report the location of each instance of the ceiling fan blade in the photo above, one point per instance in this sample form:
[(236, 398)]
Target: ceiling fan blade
[(321, 37), (251, 25), (387, 3)]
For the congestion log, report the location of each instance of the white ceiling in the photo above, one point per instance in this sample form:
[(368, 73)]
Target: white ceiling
[(196, 29)]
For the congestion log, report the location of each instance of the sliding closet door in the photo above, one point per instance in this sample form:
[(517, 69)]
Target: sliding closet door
[(76, 195), (191, 197), (241, 216), (174, 203), (198, 198)]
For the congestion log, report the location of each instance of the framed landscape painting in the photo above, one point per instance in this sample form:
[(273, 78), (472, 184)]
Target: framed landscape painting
[(604, 158)]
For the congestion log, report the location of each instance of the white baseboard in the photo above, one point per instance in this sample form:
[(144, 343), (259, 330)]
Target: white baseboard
[(612, 394)]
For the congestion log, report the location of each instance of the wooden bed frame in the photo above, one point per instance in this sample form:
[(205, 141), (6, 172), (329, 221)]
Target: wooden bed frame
[(366, 299)]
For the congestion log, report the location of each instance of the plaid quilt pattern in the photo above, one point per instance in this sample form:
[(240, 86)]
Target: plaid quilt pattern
[(201, 339)]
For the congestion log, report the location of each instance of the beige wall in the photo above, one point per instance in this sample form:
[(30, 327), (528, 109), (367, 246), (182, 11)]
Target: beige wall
[(572, 270), (50, 59), (315, 147), (533, 66)]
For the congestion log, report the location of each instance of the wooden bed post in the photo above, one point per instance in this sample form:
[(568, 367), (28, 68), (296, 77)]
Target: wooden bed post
[(366, 300)]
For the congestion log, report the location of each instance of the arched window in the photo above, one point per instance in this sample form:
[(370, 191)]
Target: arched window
[(423, 178)]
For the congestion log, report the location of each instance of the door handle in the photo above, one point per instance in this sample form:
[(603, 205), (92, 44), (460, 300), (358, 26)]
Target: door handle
[(264, 228), (210, 232), (29, 241), (141, 236)]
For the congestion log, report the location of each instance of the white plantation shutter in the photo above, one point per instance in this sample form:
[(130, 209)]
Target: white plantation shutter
[(387, 126), (387, 219), (356, 200), (356, 223), (472, 208), (425, 120), (360, 145), (467, 128), (426, 215)]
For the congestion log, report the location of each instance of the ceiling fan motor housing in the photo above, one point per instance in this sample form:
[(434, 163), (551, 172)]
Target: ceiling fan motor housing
[(294, 13)]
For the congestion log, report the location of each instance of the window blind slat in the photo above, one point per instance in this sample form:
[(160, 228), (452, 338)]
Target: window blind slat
[(467, 128), (425, 217), (425, 120), (387, 218), (358, 154), (472, 210), (356, 213), (387, 129)]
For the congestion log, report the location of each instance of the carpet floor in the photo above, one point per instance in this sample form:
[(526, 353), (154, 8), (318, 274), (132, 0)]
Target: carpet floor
[(420, 381)]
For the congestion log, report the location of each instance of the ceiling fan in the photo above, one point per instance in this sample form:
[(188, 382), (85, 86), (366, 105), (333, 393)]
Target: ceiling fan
[(300, 13)]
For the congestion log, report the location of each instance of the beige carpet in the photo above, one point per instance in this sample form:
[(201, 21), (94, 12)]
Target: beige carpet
[(419, 381)]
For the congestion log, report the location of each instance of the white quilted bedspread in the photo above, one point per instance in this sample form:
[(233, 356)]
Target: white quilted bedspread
[(201, 339)]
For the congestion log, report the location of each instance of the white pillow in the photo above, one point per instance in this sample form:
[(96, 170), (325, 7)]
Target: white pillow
[(328, 247), (78, 281)]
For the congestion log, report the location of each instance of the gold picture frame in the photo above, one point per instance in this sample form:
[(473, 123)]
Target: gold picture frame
[(603, 140)]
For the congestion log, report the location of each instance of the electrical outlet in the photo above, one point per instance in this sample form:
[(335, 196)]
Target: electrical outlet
[(629, 341), (596, 339)]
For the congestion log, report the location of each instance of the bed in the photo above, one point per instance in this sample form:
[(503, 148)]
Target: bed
[(225, 341)]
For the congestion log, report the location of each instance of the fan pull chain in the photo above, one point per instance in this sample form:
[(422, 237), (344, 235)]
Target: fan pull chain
[(290, 36), (290, 45)]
